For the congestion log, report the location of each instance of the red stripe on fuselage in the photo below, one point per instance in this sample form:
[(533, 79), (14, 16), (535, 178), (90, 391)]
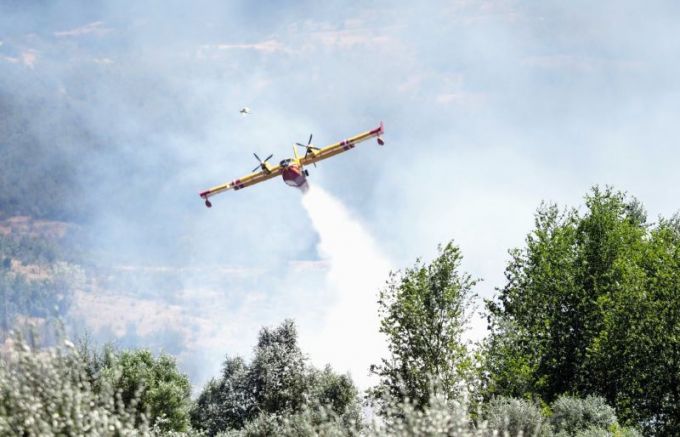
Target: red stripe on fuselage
[(346, 145)]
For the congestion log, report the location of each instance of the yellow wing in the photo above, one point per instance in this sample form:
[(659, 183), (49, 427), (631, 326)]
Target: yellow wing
[(311, 157), (245, 181), (317, 155)]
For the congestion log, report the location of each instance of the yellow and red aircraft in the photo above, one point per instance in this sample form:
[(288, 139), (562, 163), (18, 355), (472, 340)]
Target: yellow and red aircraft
[(292, 169)]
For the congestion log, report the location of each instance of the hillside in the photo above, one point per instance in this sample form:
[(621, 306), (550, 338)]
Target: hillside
[(38, 277), (46, 277)]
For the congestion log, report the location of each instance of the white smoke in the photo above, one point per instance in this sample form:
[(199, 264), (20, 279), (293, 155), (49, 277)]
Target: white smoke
[(349, 337)]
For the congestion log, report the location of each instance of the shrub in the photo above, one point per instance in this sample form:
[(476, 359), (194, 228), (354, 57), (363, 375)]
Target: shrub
[(571, 414), (48, 392), (151, 386), (506, 417), (516, 415), (440, 417), (307, 423), (614, 431)]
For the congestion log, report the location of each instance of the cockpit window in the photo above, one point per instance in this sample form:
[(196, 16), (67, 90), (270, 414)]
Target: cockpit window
[(285, 163)]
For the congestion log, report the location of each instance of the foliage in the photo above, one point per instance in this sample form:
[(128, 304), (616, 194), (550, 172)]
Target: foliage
[(637, 354), (225, 403), (424, 311), (592, 306), (151, 386), (306, 423), (571, 415), (517, 416), (501, 417), (333, 400), (436, 417), (278, 391), (445, 417), (48, 392), (614, 431), (277, 375)]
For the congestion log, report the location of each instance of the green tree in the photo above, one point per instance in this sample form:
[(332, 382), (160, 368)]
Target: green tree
[(592, 306), (636, 356), (152, 385), (335, 393), (277, 375), (225, 403), (424, 311), (277, 384)]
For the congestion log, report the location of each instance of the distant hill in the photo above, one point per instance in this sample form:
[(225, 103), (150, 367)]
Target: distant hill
[(37, 277)]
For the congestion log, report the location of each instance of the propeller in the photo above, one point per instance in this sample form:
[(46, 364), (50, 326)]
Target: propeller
[(263, 164), (308, 147)]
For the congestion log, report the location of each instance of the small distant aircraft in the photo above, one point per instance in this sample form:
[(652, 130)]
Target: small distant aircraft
[(292, 169), (245, 111)]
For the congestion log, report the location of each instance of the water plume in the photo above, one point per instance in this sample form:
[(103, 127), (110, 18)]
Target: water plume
[(349, 337)]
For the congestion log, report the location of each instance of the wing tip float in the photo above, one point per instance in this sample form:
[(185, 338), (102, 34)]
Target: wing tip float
[(292, 169)]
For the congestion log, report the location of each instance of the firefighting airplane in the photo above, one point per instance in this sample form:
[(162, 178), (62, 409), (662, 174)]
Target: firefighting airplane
[(292, 169)]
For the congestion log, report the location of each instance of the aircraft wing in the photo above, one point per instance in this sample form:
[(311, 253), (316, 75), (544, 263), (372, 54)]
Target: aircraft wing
[(245, 181), (342, 146)]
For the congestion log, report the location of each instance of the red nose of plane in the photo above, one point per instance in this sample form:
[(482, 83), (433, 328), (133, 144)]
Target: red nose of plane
[(294, 176)]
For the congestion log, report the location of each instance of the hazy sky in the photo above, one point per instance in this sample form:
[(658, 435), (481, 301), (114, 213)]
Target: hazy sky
[(490, 107)]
